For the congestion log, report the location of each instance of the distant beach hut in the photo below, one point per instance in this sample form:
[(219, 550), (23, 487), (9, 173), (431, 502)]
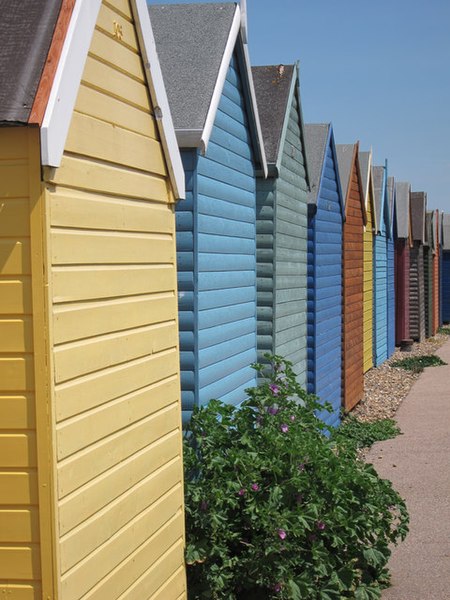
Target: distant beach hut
[(403, 242), (436, 270), (325, 227), (416, 280), (353, 269), (445, 268), (281, 215), (428, 268), (381, 265), (391, 268), (365, 162), (91, 483), (204, 60)]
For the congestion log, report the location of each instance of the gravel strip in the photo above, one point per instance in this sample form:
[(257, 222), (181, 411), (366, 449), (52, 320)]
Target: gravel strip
[(385, 387)]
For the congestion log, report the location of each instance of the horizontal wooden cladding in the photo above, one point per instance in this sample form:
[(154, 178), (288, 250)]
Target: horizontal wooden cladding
[(120, 6), (111, 51), (96, 389), (128, 553), (82, 173), (16, 335), (108, 452), (71, 284), (114, 416), (18, 487), (17, 373), (17, 411), (77, 321), (96, 531), (20, 590), (110, 12), (72, 247), (15, 296), (105, 141), (15, 256), (13, 143), (84, 210), (174, 587), (20, 562), (18, 450), (19, 525), (14, 217), (83, 503), (15, 179)]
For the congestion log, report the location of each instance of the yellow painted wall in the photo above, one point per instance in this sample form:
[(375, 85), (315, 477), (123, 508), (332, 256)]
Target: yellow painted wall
[(20, 571), (368, 286), (115, 333)]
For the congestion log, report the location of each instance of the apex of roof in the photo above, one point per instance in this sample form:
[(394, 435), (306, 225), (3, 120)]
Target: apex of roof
[(402, 208), (418, 210), (195, 44), (345, 154), (317, 137), (445, 231), (365, 161), (273, 88), (27, 32), (379, 186)]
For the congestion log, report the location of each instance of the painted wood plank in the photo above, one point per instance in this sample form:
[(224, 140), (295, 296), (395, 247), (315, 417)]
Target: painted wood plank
[(14, 179), (16, 335), (105, 22), (19, 525), (20, 563), (18, 449), (109, 50), (18, 487), (17, 591), (17, 374), (14, 221), (17, 412)]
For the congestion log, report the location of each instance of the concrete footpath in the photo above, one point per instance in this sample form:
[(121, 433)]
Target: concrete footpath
[(418, 464)]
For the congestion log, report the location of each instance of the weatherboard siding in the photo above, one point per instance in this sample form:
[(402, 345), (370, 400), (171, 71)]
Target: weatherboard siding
[(325, 293), (290, 260), (353, 257), (402, 290), (115, 363), (428, 289), (226, 253), (20, 539), (417, 293), (436, 278), (368, 286), (381, 292), (446, 286), (391, 295)]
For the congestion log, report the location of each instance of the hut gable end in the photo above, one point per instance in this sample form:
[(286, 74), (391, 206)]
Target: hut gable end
[(114, 323)]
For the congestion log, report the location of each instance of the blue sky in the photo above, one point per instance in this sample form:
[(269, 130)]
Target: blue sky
[(378, 70)]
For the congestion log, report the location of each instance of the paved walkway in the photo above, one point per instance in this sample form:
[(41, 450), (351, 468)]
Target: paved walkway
[(418, 464)]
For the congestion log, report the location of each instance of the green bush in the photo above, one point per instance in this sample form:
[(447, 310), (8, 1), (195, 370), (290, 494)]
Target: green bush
[(363, 434), (277, 509), (416, 364)]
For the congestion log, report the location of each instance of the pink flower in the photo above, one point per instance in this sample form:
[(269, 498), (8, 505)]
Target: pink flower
[(277, 588), (292, 418), (320, 525), (272, 410), (241, 492), (255, 487), (301, 467), (274, 389), (284, 428), (282, 534)]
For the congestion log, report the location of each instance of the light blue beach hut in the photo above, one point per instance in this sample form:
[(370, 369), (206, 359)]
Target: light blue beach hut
[(204, 60), (325, 219), (391, 268), (281, 218)]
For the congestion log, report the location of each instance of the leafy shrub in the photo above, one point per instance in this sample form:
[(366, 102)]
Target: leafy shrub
[(359, 434), (416, 364), (444, 330), (276, 509)]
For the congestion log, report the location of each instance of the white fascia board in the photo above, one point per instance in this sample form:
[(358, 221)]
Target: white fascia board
[(58, 114), (244, 21), (220, 81), (259, 136), (189, 138), (159, 97)]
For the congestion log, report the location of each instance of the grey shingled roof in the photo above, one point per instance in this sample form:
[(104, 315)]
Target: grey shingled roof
[(316, 137), (418, 209), (272, 87), (344, 155), (364, 163), (378, 197), (27, 32), (428, 239), (391, 196), (190, 41), (402, 191), (445, 232)]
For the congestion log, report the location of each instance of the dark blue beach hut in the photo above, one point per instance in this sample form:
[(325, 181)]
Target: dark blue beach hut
[(204, 60), (391, 268), (381, 265), (281, 218), (325, 219), (445, 270)]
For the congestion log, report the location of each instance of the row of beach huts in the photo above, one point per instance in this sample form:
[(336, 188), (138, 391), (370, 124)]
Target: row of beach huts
[(166, 219)]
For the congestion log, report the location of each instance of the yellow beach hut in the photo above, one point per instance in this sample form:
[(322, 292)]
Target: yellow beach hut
[(365, 165), (91, 494)]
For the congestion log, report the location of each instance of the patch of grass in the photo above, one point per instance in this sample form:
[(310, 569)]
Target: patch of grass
[(356, 434), (444, 330), (416, 364)]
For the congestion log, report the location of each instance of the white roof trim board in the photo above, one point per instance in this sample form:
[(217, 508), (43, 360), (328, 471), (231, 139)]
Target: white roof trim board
[(58, 114)]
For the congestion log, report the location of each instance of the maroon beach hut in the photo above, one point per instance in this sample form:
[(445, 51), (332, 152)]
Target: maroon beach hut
[(403, 241)]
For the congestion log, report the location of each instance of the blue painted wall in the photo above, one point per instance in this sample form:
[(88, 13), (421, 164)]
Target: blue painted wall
[(325, 292), (446, 286), (216, 240), (381, 287), (391, 294)]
